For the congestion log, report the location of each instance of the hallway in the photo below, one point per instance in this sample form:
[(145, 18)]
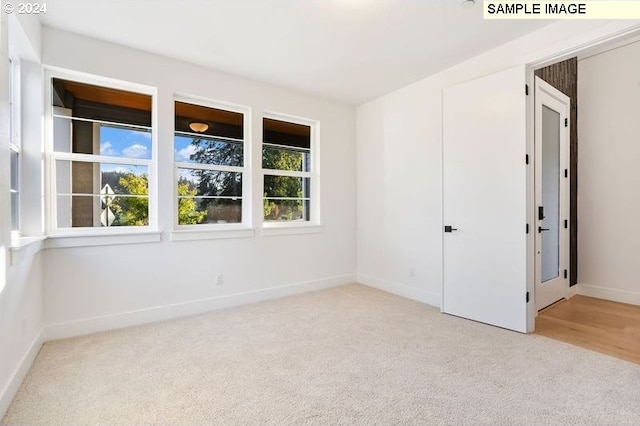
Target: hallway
[(600, 325)]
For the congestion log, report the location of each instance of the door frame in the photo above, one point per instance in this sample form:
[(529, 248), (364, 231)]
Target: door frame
[(556, 100), (615, 33)]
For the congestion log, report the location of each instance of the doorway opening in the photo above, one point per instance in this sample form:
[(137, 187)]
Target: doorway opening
[(603, 268)]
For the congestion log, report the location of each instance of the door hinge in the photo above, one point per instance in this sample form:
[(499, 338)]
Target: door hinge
[(565, 274), (566, 122), (566, 173), (566, 224), (526, 89), (527, 297), (527, 228), (526, 159)]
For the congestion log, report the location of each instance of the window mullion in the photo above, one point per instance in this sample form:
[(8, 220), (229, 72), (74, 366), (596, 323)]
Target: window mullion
[(94, 158), (107, 123), (287, 173), (211, 167)]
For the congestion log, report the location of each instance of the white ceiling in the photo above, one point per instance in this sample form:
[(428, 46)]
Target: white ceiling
[(350, 50)]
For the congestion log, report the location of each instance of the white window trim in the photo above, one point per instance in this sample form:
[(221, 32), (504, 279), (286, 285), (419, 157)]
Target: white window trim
[(25, 247), (314, 225), (125, 232), (217, 230), (126, 235)]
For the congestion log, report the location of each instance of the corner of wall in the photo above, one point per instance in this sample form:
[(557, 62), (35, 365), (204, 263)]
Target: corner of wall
[(19, 374), (608, 293)]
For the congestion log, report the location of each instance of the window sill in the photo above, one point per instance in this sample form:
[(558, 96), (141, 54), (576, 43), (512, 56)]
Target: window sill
[(24, 247), (88, 240), (272, 229), (211, 234)]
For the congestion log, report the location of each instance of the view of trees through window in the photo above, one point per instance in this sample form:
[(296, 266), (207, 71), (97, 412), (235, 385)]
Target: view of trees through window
[(210, 167), (102, 152), (209, 159), (286, 160), (102, 156)]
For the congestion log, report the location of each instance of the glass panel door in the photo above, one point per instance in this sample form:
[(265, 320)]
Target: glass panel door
[(550, 194)]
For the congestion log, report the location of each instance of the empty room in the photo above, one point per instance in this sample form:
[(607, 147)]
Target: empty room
[(318, 212)]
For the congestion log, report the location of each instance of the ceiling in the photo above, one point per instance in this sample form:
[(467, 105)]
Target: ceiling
[(349, 50)]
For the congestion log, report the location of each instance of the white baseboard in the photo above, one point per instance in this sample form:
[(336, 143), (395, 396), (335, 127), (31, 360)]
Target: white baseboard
[(21, 370), (400, 289), (573, 290), (607, 293), (160, 313)]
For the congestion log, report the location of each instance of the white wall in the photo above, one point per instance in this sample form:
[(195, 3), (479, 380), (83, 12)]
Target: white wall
[(20, 324), (93, 288), (609, 174), (21, 270), (399, 162)]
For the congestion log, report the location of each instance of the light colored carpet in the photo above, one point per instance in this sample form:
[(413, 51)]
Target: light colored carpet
[(348, 355)]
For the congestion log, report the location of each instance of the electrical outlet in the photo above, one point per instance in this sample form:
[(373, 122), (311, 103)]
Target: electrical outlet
[(412, 273), (219, 279)]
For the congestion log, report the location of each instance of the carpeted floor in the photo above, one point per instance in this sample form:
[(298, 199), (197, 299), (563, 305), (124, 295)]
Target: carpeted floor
[(348, 355)]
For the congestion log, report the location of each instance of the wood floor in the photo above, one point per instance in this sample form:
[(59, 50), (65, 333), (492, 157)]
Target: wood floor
[(600, 325)]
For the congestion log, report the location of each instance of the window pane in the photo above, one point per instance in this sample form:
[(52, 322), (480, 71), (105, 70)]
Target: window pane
[(98, 103), (286, 146), (210, 183), (286, 198), (207, 121), (15, 190), (279, 132), (284, 158), (91, 211), (207, 210), (93, 108), (86, 137), (286, 187), (209, 196), (101, 194), (208, 150), (15, 211), (122, 141), (15, 170), (286, 210)]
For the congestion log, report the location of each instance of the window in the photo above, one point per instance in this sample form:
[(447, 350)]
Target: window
[(14, 145), (210, 165), (289, 172), (101, 156)]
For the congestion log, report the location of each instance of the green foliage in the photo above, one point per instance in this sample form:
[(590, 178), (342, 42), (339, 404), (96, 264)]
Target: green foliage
[(188, 213), (283, 186), (282, 159), (131, 211), (218, 152), (218, 183), (134, 210)]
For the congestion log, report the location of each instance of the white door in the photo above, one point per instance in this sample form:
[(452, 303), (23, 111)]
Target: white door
[(552, 194), (485, 200)]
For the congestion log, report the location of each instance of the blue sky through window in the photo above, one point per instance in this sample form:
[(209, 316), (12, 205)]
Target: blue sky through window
[(183, 148), (125, 142)]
